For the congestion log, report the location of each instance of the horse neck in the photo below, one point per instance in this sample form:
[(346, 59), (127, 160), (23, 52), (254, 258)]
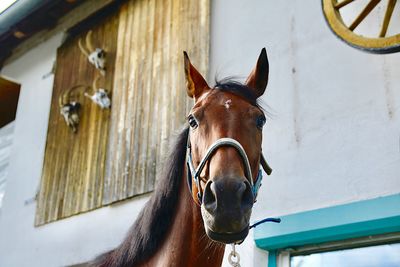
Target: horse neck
[(187, 244)]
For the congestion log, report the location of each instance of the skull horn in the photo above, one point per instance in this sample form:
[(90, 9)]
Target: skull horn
[(83, 50), (89, 43)]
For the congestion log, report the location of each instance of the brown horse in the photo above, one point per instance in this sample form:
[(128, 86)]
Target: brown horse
[(205, 198)]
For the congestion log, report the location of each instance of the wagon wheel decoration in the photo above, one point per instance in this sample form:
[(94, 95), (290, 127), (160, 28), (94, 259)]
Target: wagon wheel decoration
[(380, 44)]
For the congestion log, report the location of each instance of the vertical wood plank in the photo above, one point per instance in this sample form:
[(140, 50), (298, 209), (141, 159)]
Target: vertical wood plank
[(152, 34)]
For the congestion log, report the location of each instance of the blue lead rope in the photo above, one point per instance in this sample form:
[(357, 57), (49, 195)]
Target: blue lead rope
[(274, 220)]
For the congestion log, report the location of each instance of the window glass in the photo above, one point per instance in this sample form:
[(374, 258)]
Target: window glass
[(6, 136), (375, 256)]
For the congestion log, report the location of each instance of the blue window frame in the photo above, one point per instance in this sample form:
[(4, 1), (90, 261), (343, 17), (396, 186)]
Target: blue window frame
[(387, 255), (354, 220)]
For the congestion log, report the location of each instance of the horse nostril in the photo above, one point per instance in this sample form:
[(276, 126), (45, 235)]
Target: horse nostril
[(247, 196), (209, 197)]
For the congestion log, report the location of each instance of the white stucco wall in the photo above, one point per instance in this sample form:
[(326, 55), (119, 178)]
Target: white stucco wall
[(334, 133), (333, 137)]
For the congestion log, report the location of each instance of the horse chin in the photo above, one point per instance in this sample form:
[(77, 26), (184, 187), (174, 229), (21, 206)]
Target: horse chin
[(227, 238), (226, 229)]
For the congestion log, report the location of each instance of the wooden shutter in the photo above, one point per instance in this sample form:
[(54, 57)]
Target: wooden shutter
[(73, 170), (116, 154)]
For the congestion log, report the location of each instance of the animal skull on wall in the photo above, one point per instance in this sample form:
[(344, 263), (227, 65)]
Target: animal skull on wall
[(70, 112), (100, 96), (69, 108), (96, 56)]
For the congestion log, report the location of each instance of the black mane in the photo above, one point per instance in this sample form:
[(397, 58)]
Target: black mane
[(151, 225)]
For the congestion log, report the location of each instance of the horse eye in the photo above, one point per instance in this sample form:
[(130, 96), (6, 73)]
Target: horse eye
[(192, 121), (260, 121)]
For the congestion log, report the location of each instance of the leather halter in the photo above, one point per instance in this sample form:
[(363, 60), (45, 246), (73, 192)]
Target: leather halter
[(196, 172)]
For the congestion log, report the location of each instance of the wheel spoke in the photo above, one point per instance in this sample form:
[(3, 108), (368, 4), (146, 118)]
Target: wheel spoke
[(387, 42), (388, 16), (343, 3), (368, 8)]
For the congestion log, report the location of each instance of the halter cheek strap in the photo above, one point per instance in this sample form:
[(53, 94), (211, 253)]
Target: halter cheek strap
[(194, 173)]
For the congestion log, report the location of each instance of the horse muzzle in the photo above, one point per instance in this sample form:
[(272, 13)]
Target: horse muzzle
[(226, 209), (226, 202)]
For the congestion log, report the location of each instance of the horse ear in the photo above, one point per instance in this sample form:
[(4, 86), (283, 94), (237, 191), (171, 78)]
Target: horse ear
[(195, 83), (258, 78)]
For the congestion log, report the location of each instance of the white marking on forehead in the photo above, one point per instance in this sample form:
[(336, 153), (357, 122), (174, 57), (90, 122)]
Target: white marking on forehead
[(228, 103)]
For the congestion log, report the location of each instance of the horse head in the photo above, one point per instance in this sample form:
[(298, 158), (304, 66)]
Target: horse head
[(224, 149)]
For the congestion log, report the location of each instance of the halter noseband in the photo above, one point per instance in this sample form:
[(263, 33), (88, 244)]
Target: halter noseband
[(196, 172)]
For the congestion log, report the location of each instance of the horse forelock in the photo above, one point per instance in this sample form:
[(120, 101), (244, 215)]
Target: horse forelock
[(235, 87), (232, 86)]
